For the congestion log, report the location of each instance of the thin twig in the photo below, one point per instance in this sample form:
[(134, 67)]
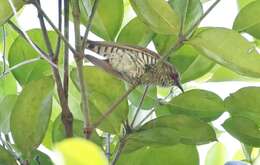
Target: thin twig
[(20, 65), (113, 106), (58, 44), (108, 154), (36, 4), (88, 27), (66, 51), (139, 106), (25, 35), (67, 116), (145, 118), (4, 49)]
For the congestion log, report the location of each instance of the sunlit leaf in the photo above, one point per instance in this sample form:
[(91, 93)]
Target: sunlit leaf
[(6, 10), (135, 33), (202, 104), (189, 11), (245, 103), (31, 114), (108, 17), (168, 155), (103, 90), (243, 3), (216, 155), (248, 20), (71, 151), (6, 157), (6, 107), (158, 15), (39, 157), (244, 130), (229, 49)]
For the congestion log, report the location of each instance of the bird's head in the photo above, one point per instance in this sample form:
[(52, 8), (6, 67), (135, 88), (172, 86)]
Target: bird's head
[(176, 80)]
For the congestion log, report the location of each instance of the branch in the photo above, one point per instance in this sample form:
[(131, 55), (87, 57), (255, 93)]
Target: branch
[(66, 51), (19, 65), (88, 26), (25, 35), (67, 117), (58, 44), (79, 63), (120, 149), (139, 106), (40, 10), (113, 107)]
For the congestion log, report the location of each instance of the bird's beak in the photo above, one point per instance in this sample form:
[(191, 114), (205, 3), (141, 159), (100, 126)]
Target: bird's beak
[(178, 84)]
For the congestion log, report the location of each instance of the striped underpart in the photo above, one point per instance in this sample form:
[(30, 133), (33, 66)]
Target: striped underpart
[(136, 64)]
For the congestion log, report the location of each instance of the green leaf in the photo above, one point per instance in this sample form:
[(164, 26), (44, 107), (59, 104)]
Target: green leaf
[(170, 130), (21, 51), (158, 15), (6, 105), (245, 103), (244, 130), (6, 11), (135, 33), (31, 114), (149, 100), (216, 155), (6, 157), (197, 103), (187, 60), (10, 36), (7, 84), (229, 49), (220, 74), (71, 151), (99, 85), (168, 155), (243, 3), (108, 17), (189, 12), (248, 21)]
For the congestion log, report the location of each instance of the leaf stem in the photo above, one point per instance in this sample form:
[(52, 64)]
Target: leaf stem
[(139, 106), (119, 150), (88, 26)]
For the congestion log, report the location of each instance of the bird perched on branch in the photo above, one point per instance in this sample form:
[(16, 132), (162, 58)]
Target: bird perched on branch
[(134, 64)]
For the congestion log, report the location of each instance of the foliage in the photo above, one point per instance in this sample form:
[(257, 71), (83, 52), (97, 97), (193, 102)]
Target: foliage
[(39, 97)]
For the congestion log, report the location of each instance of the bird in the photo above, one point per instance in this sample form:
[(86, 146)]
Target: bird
[(133, 64)]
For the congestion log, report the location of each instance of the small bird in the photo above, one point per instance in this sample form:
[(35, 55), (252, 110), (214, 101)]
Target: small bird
[(134, 64)]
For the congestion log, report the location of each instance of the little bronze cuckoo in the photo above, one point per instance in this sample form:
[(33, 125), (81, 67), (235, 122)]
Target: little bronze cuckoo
[(136, 65)]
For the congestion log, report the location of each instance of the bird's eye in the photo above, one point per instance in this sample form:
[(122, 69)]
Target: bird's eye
[(175, 76)]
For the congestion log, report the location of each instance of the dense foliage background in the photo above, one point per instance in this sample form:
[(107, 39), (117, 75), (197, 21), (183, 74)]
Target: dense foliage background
[(47, 95)]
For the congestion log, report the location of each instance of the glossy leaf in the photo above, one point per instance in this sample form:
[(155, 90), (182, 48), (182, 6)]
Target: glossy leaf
[(10, 36), (21, 51), (169, 155), (170, 130), (244, 130), (101, 97), (245, 103), (108, 17), (189, 12), (6, 157), (6, 10), (243, 3), (248, 20), (135, 33), (6, 107), (197, 103), (158, 15), (187, 60), (71, 151), (229, 49), (31, 114), (216, 155)]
